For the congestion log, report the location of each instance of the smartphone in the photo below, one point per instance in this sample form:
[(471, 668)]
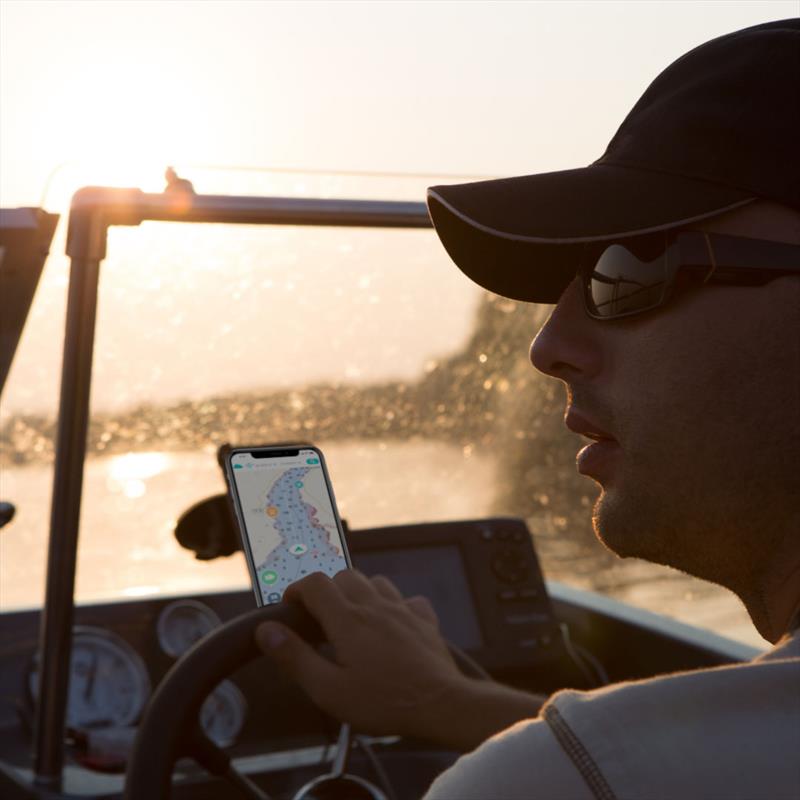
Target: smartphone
[(287, 516)]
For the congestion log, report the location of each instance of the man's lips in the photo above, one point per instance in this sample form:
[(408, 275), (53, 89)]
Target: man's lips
[(598, 459), (585, 427)]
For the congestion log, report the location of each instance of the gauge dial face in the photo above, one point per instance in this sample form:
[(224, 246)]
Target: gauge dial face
[(223, 713), (108, 681), (183, 623)]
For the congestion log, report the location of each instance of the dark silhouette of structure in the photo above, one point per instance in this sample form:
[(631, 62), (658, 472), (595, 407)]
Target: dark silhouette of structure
[(177, 184)]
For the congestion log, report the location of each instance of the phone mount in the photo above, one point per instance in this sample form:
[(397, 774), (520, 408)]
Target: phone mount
[(207, 529)]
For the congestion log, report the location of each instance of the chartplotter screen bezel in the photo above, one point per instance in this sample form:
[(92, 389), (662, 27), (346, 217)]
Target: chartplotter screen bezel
[(510, 622)]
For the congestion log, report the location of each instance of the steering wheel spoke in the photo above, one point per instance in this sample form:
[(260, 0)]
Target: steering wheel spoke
[(216, 761)]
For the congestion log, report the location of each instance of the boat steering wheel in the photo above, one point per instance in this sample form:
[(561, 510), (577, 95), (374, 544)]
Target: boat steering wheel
[(170, 729)]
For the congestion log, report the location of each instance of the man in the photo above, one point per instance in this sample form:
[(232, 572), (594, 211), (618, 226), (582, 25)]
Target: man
[(674, 263)]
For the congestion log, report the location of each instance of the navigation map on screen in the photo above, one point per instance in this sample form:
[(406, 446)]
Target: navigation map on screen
[(289, 519)]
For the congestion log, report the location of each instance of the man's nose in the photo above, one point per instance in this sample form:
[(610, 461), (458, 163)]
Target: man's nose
[(567, 346)]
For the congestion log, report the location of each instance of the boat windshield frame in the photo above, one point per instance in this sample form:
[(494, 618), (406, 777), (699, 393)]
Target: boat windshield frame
[(93, 211)]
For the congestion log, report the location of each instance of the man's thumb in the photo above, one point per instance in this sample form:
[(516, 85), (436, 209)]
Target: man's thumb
[(271, 636), (289, 651)]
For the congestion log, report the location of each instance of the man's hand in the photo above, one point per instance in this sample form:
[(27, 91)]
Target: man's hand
[(391, 664), (392, 672)]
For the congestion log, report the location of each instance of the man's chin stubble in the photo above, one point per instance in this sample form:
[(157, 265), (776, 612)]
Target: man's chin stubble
[(626, 528), (631, 527)]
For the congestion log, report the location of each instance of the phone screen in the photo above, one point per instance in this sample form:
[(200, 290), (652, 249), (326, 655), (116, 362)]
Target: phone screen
[(284, 501)]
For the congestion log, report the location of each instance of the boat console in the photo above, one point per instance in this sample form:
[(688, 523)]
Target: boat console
[(484, 581)]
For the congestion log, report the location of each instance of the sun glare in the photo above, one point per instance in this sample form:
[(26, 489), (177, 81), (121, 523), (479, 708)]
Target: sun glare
[(126, 124), (130, 472)]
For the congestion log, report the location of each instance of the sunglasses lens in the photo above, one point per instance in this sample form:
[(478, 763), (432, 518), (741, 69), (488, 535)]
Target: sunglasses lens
[(621, 279)]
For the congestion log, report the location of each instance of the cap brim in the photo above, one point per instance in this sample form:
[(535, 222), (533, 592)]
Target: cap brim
[(522, 237)]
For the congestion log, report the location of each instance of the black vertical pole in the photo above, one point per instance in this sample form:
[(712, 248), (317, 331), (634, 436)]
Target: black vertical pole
[(86, 246)]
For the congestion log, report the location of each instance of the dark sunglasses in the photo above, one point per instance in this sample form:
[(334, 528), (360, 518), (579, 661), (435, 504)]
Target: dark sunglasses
[(634, 275)]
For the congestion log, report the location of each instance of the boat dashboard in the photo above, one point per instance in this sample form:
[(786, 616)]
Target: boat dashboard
[(482, 577)]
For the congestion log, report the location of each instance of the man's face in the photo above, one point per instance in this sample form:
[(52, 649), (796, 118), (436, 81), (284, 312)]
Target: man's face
[(703, 398)]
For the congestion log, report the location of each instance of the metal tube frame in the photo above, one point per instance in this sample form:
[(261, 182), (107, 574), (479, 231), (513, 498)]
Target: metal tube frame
[(92, 212)]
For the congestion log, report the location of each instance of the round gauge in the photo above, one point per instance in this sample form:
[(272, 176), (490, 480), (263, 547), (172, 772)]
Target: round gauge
[(222, 714), (108, 681), (183, 623)]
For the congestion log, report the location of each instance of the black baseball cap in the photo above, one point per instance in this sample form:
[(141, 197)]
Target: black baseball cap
[(717, 129)]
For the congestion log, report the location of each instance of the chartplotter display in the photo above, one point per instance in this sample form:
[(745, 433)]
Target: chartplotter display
[(287, 514)]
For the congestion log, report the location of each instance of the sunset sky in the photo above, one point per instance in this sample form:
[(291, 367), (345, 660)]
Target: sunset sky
[(112, 92), (489, 88)]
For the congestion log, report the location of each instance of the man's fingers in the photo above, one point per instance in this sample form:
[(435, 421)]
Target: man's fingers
[(296, 657), (322, 598), (385, 588), (355, 586), (422, 607), (340, 603)]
